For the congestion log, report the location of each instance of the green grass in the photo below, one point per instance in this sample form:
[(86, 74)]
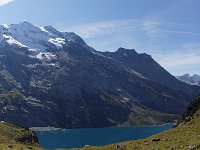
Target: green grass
[(16, 138), (144, 116)]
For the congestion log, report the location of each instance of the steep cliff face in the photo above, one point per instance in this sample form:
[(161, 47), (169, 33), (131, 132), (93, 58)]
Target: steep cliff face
[(53, 78)]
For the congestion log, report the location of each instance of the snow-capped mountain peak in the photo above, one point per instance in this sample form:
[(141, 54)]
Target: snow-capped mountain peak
[(35, 38)]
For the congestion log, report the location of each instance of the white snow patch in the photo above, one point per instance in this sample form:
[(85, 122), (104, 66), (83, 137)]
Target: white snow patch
[(58, 42), (45, 55), (5, 26), (12, 41), (43, 29)]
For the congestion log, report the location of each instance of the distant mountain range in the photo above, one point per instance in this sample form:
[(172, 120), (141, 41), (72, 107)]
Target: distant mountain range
[(53, 78), (192, 80)]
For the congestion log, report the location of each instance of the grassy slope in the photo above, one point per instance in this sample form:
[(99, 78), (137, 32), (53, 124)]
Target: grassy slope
[(183, 137), (145, 116), (13, 137)]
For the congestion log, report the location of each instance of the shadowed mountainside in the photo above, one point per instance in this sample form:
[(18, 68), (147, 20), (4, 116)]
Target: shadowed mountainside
[(53, 78)]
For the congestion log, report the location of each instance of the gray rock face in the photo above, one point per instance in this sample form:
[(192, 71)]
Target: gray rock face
[(81, 87)]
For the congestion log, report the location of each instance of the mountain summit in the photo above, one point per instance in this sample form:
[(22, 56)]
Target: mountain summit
[(53, 78), (39, 41)]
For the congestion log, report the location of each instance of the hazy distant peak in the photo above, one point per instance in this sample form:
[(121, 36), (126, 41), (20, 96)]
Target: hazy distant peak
[(190, 79)]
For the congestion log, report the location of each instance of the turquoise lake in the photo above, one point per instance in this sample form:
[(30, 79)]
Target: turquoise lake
[(76, 138)]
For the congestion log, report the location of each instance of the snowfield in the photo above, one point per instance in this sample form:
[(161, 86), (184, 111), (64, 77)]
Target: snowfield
[(36, 39)]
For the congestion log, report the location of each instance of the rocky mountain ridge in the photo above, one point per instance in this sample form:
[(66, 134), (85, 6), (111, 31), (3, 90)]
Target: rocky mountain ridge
[(75, 86)]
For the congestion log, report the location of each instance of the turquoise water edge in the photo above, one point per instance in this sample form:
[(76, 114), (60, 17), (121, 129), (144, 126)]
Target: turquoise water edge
[(76, 138)]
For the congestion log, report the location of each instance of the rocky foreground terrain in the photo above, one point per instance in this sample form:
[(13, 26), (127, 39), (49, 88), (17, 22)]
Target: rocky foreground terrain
[(17, 138)]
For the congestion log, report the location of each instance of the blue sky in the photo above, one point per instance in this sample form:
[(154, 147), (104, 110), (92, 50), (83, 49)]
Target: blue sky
[(167, 30)]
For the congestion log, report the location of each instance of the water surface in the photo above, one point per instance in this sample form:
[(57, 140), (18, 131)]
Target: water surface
[(71, 138)]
